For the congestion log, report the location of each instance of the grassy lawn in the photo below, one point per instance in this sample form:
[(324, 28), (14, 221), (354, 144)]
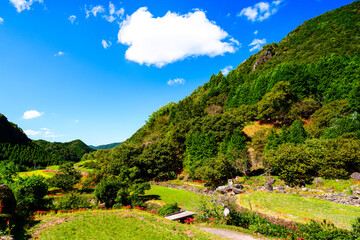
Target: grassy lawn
[(164, 194), (115, 224), (300, 209), (37, 172)]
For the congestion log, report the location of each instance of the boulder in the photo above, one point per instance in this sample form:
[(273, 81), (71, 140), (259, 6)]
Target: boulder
[(226, 212), (221, 189), (237, 191), (355, 176), (238, 186), (318, 181), (8, 201), (268, 187), (281, 188), (270, 180)]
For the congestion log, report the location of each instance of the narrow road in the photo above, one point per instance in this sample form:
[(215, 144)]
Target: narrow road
[(228, 234)]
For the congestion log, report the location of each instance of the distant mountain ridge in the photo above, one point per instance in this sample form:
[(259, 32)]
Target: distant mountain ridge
[(106, 146), (16, 147)]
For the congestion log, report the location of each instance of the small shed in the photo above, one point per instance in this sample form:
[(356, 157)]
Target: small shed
[(180, 216)]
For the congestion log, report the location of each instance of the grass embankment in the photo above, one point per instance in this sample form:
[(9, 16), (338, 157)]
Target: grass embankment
[(50, 171), (44, 173), (114, 224), (170, 195), (300, 209)]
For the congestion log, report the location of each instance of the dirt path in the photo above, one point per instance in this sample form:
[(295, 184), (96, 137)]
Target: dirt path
[(228, 234)]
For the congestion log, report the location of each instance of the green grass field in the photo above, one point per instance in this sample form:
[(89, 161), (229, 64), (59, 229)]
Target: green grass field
[(300, 209), (37, 172), (169, 195), (114, 224)]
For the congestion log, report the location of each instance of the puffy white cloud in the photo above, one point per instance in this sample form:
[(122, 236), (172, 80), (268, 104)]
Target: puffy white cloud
[(1, 20), (106, 44), (30, 132), (94, 10), (260, 11), (256, 32), (277, 2), (21, 5), (60, 53), (163, 40), (176, 81), (32, 114), (113, 14), (43, 133), (72, 18), (226, 70), (257, 43)]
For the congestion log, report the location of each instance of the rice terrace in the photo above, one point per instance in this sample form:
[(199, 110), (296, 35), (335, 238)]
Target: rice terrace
[(175, 120)]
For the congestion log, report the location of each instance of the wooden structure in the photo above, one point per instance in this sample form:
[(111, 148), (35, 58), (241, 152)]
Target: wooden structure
[(180, 216)]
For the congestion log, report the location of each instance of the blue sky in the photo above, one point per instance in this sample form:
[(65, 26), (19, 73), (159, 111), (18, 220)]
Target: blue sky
[(95, 70)]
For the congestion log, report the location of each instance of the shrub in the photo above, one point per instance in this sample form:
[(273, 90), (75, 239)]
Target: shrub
[(73, 201), (169, 208), (29, 193), (66, 178), (121, 191)]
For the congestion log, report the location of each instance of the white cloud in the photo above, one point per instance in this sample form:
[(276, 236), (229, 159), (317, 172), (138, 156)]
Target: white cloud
[(59, 54), (260, 11), (173, 37), (113, 14), (1, 20), (94, 10), (176, 81), (277, 2), (21, 5), (256, 32), (76, 121), (257, 43), (32, 114), (72, 18), (31, 132), (43, 133), (226, 70), (106, 44)]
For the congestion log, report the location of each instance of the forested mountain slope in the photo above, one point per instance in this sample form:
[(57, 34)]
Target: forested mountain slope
[(305, 88), (16, 147)]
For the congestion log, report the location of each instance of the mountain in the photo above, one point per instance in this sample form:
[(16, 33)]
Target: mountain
[(11, 133), (106, 146), (308, 83), (70, 151), (16, 147)]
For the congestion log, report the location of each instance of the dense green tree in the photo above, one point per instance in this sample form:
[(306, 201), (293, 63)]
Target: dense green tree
[(275, 105), (29, 193), (323, 117), (341, 126), (66, 177), (296, 133)]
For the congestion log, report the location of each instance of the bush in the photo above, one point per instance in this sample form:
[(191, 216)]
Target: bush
[(116, 190), (66, 178), (214, 208), (73, 201), (169, 208)]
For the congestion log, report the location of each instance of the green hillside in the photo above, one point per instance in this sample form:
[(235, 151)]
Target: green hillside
[(16, 147), (70, 151), (307, 83)]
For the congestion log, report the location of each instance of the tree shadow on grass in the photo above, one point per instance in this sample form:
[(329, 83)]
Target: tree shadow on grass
[(150, 197)]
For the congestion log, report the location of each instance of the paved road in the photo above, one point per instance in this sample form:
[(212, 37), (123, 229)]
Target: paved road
[(228, 234)]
